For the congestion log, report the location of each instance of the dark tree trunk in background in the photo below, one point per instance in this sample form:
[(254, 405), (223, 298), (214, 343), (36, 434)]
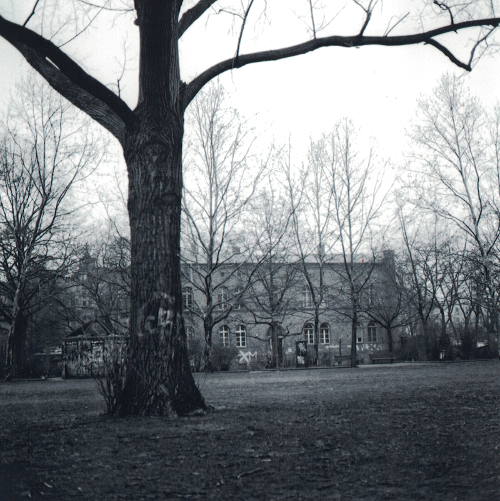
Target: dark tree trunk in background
[(208, 326), (16, 340), (389, 338)]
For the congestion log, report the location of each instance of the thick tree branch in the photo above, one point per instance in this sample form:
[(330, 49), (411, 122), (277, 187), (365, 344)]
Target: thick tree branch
[(193, 14), (69, 79), (449, 54), (334, 41)]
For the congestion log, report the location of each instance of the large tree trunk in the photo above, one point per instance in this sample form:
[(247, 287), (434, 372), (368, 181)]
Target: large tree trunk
[(158, 378)]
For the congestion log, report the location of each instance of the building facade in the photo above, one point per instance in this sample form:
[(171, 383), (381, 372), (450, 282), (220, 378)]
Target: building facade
[(283, 310)]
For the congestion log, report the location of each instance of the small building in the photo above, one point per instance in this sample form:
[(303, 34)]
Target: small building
[(84, 349)]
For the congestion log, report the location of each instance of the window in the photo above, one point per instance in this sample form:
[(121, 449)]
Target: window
[(241, 336), (187, 271), (371, 294), (307, 298), (309, 333), (187, 298), (224, 335), (324, 334), (222, 299), (372, 332)]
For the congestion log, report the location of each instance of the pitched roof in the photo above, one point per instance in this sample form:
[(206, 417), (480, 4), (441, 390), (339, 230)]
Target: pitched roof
[(94, 328)]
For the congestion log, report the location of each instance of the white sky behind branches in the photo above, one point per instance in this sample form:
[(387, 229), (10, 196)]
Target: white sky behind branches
[(376, 87)]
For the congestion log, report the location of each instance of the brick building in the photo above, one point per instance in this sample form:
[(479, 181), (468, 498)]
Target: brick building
[(286, 307)]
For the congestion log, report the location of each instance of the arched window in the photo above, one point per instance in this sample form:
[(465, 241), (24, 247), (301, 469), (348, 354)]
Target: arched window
[(309, 333), (222, 299), (241, 336), (372, 332), (324, 334), (224, 335), (187, 298)]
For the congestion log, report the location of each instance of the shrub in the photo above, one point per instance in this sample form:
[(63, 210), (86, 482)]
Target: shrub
[(223, 356), (109, 374)]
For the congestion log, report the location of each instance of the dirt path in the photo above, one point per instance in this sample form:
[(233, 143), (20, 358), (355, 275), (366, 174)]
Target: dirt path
[(411, 432)]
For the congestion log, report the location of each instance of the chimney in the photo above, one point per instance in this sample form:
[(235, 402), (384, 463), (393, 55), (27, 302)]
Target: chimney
[(389, 259)]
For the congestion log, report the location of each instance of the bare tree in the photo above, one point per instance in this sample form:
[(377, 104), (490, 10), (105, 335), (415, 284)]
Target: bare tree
[(221, 175), (272, 300), (45, 147), (356, 199), (102, 280), (425, 268), (457, 150), (158, 378), (388, 300), (312, 203)]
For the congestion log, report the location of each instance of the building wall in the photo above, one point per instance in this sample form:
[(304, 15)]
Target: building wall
[(257, 351)]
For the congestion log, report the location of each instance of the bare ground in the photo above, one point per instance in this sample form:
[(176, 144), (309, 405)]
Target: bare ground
[(403, 432)]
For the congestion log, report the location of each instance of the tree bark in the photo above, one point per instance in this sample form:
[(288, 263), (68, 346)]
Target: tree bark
[(208, 326), (389, 338), (158, 378), (316, 334)]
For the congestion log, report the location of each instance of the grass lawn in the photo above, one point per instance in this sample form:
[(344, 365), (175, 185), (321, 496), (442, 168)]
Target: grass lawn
[(404, 432)]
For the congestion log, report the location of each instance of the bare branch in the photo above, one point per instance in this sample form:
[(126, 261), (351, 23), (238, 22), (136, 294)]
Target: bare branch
[(76, 35), (105, 7), (242, 28), (476, 45), (334, 41), (69, 79), (400, 20), (449, 54), (368, 10), (193, 14), (443, 6), (312, 19), (32, 13)]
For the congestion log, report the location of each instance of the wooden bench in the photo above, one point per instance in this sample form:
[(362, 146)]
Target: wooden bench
[(382, 360)]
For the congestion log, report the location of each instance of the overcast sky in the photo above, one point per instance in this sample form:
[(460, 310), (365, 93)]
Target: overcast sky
[(376, 87)]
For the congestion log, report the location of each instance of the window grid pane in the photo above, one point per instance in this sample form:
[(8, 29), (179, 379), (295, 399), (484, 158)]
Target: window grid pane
[(241, 336), (187, 297), (324, 334), (307, 301), (224, 335), (222, 298), (309, 333)]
